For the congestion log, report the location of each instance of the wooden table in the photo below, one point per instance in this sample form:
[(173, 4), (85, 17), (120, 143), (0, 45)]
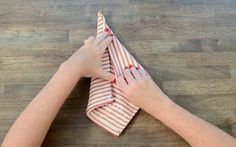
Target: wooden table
[(188, 46)]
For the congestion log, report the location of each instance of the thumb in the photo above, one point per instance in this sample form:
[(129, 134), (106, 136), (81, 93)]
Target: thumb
[(106, 75)]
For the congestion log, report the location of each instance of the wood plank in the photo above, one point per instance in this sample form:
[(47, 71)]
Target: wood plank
[(196, 87), (26, 76), (175, 73), (1, 90), (188, 59), (29, 38)]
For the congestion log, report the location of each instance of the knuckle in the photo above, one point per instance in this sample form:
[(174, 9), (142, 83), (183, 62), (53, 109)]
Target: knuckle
[(143, 81), (129, 92), (133, 87)]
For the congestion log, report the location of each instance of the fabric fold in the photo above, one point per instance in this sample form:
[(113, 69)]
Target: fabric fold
[(107, 106)]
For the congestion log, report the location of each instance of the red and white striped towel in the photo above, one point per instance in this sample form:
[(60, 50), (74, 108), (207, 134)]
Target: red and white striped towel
[(107, 105)]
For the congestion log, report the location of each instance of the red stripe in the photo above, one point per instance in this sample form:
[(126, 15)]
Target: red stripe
[(117, 56), (105, 60), (106, 56), (100, 20), (98, 85), (105, 64), (98, 99), (117, 114), (127, 54), (99, 103), (115, 121), (101, 124), (91, 107), (114, 53), (100, 23), (118, 42), (98, 79), (112, 123), (114, 110), (98, 88), (100, 91), (119, 49), (97, 93), (114, 63)]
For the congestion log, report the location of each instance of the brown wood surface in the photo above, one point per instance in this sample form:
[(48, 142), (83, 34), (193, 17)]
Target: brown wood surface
[(188, 46)]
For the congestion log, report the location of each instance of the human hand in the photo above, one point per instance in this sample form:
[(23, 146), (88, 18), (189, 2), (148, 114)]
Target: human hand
[(140, 89), (86, 61)]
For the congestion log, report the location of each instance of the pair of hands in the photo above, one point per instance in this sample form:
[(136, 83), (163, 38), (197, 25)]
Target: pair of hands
[(135, 84)]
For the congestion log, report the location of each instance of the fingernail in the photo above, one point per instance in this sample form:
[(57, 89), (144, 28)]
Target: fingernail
[(111, 35), (126, 67), (130, 66), (137, 68), (106, 29), (114, 81)]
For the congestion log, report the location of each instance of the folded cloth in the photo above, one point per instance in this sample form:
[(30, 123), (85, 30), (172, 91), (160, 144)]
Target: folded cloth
[(108, 107)]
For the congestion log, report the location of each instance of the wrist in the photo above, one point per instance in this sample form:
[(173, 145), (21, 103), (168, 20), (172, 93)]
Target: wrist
[(72, 70), (159, 104)]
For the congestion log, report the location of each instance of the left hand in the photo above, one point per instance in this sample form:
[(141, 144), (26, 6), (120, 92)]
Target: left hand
[(86, 61)]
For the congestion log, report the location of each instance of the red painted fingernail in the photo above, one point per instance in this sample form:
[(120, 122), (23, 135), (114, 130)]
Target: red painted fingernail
[(106, 29), (114, 81), (137, 68), (130, 66)]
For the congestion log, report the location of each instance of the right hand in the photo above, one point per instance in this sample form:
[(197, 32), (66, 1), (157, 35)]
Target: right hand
[(140, 89)]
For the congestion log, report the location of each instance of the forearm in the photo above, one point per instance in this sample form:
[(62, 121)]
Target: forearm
[(194, 130), (32, 125)]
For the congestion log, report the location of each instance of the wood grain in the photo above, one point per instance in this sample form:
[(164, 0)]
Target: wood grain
[(188, 46)]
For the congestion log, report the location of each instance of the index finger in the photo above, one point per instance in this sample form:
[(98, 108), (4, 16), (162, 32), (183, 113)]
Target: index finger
[(100, 38), (103, 45)]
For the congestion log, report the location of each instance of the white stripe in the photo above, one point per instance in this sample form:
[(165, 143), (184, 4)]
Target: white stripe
[(99, 84), (100, 92), (100, 87), (115, 59), (115, 110), (117, 107), (99, 80), (94, 116), (120, 123), (99, 95), (98, 103), (123, 53), (108, 121), (119, 55)]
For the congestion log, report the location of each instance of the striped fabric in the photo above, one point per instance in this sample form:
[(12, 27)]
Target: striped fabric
[(107, 105)]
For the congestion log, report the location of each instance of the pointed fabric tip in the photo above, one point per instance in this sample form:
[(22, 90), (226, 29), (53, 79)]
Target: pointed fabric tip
[(99, 13)]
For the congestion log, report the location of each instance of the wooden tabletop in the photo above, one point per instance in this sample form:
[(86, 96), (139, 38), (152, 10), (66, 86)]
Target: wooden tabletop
[(188, 46)]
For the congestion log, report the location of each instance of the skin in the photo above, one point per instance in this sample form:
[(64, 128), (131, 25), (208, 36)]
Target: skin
[(30, 128)]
